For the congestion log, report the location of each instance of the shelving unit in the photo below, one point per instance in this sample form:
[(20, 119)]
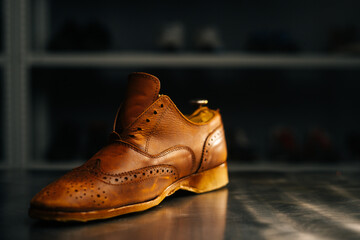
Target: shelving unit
[(220, 60), (15, 13), (18, 59)]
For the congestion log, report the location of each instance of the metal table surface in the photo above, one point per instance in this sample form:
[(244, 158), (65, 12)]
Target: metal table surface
[(255, 205)]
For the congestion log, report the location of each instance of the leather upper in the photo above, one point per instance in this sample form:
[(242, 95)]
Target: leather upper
[(152, 145), (142, 90)]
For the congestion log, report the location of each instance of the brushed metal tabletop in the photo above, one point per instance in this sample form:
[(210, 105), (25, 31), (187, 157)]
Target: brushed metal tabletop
[(255, 205)]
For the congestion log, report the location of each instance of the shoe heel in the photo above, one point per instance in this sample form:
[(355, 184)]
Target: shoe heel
[(208, 180)]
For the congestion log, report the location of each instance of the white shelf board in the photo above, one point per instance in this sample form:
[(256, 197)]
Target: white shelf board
[(209, 60)]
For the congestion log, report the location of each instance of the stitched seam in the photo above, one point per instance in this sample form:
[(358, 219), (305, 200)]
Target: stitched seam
[(169, 150), (211, 145), (130, 182), (142, 114), (206, 141), (155, 82), (154, 128), (183, 118), (156, 90), (137, 171), (117, 117)]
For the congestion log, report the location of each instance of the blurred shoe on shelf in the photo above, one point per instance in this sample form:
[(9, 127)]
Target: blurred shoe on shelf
[(208, 39), (344, 40), (172, 37)]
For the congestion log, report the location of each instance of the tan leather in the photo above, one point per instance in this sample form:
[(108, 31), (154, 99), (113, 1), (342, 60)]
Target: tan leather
[(153, 145), (142, 90)]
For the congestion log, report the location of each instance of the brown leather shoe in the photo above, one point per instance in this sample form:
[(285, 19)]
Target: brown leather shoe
[(154, 150)]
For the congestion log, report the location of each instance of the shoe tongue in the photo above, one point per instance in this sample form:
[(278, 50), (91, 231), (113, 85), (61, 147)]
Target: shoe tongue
[(142, 90)]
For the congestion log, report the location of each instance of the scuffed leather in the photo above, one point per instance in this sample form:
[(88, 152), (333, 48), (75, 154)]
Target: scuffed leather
[(153, 146), (122, 157), (142, 90), (83, 189)]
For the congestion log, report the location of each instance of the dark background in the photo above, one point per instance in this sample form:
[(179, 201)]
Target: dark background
[(271, 113)]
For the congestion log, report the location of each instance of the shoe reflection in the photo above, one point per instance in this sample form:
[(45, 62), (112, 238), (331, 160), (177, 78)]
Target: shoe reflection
[(181, 216)]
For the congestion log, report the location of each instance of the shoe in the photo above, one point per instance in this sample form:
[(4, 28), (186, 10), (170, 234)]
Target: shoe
[(154, 150)]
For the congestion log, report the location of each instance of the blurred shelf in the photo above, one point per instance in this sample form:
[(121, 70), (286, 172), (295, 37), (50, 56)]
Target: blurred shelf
[(223, 60), (234, 165)]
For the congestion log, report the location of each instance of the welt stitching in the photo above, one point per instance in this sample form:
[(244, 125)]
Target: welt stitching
[(172, 149)]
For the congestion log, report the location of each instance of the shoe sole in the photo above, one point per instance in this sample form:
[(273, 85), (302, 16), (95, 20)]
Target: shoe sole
[(202, 182)]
